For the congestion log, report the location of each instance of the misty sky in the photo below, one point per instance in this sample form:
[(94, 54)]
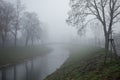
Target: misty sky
[(54, 14)]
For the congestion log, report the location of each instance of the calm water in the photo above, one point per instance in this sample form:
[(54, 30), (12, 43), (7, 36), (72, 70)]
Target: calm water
[(54, 60), (40, 67)]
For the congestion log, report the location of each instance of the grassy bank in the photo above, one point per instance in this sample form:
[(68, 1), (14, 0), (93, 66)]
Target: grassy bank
[(87, 65), (12, 55)]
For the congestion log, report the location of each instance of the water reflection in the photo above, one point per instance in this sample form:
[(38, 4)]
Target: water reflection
[(36, 69), (54, 60)]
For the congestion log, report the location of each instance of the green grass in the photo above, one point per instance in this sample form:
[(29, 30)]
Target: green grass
[(12, 55), (87, 65)]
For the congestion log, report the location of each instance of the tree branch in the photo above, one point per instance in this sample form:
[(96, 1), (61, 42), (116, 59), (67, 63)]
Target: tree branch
[(99, 17), (116, 15), (117, 8), (116, 21)]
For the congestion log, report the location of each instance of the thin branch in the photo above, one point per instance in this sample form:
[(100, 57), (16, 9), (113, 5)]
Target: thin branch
[(118, 20), (116, 15), (110, 5), (86, 24), (90, 21), (99, 17), (117, 8), (93, 12), (103, 13), (105, 3)]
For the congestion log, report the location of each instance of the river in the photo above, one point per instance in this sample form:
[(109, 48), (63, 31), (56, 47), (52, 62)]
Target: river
[(38, 68)]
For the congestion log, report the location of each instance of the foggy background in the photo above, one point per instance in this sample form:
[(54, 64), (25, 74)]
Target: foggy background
[(38, 39), (54, 14)]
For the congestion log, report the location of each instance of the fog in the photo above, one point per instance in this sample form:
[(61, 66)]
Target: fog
[(38, 38), (54, 14)]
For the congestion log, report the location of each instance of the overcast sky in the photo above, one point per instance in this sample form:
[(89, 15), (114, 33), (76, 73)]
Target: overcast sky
[(54, 14)]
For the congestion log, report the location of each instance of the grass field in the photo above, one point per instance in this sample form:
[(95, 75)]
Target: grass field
[(11, 55), (87, 65)]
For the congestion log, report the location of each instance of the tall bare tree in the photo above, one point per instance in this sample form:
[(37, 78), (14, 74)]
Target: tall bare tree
[(31, 27), (6, 18), (107, 12), (17, 19)]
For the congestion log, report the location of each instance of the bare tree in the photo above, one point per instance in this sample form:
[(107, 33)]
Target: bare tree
[(107, 12), (31, 26), (6, 17), (17, 19)]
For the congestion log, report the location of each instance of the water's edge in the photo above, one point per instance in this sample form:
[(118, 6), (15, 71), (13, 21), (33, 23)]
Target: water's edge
[(38, 68)]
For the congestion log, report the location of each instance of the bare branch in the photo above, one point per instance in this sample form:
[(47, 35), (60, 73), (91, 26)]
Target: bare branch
[(116, 21), (103, 13), (117, 8), (116, 15), (99, 16), (105, 3), (85, 25), (93, 12), (110, 5)]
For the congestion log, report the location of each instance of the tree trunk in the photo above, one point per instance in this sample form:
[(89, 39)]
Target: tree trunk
[(106, 47), (4, 39), (32, 42), (114, 49), (15, 40), (27, 39), (106, 43), (111, 50)]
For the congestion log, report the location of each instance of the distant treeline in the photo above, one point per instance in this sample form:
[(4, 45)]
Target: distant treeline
[(17, 26)]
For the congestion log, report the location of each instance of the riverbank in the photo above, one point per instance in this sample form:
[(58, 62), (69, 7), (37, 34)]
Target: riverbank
[(13, 55), (87, 65)]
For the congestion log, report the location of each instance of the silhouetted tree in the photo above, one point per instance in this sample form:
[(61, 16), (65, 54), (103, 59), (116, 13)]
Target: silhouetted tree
[(107, 12), (6, 18), (17, 19), (31, 27)]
